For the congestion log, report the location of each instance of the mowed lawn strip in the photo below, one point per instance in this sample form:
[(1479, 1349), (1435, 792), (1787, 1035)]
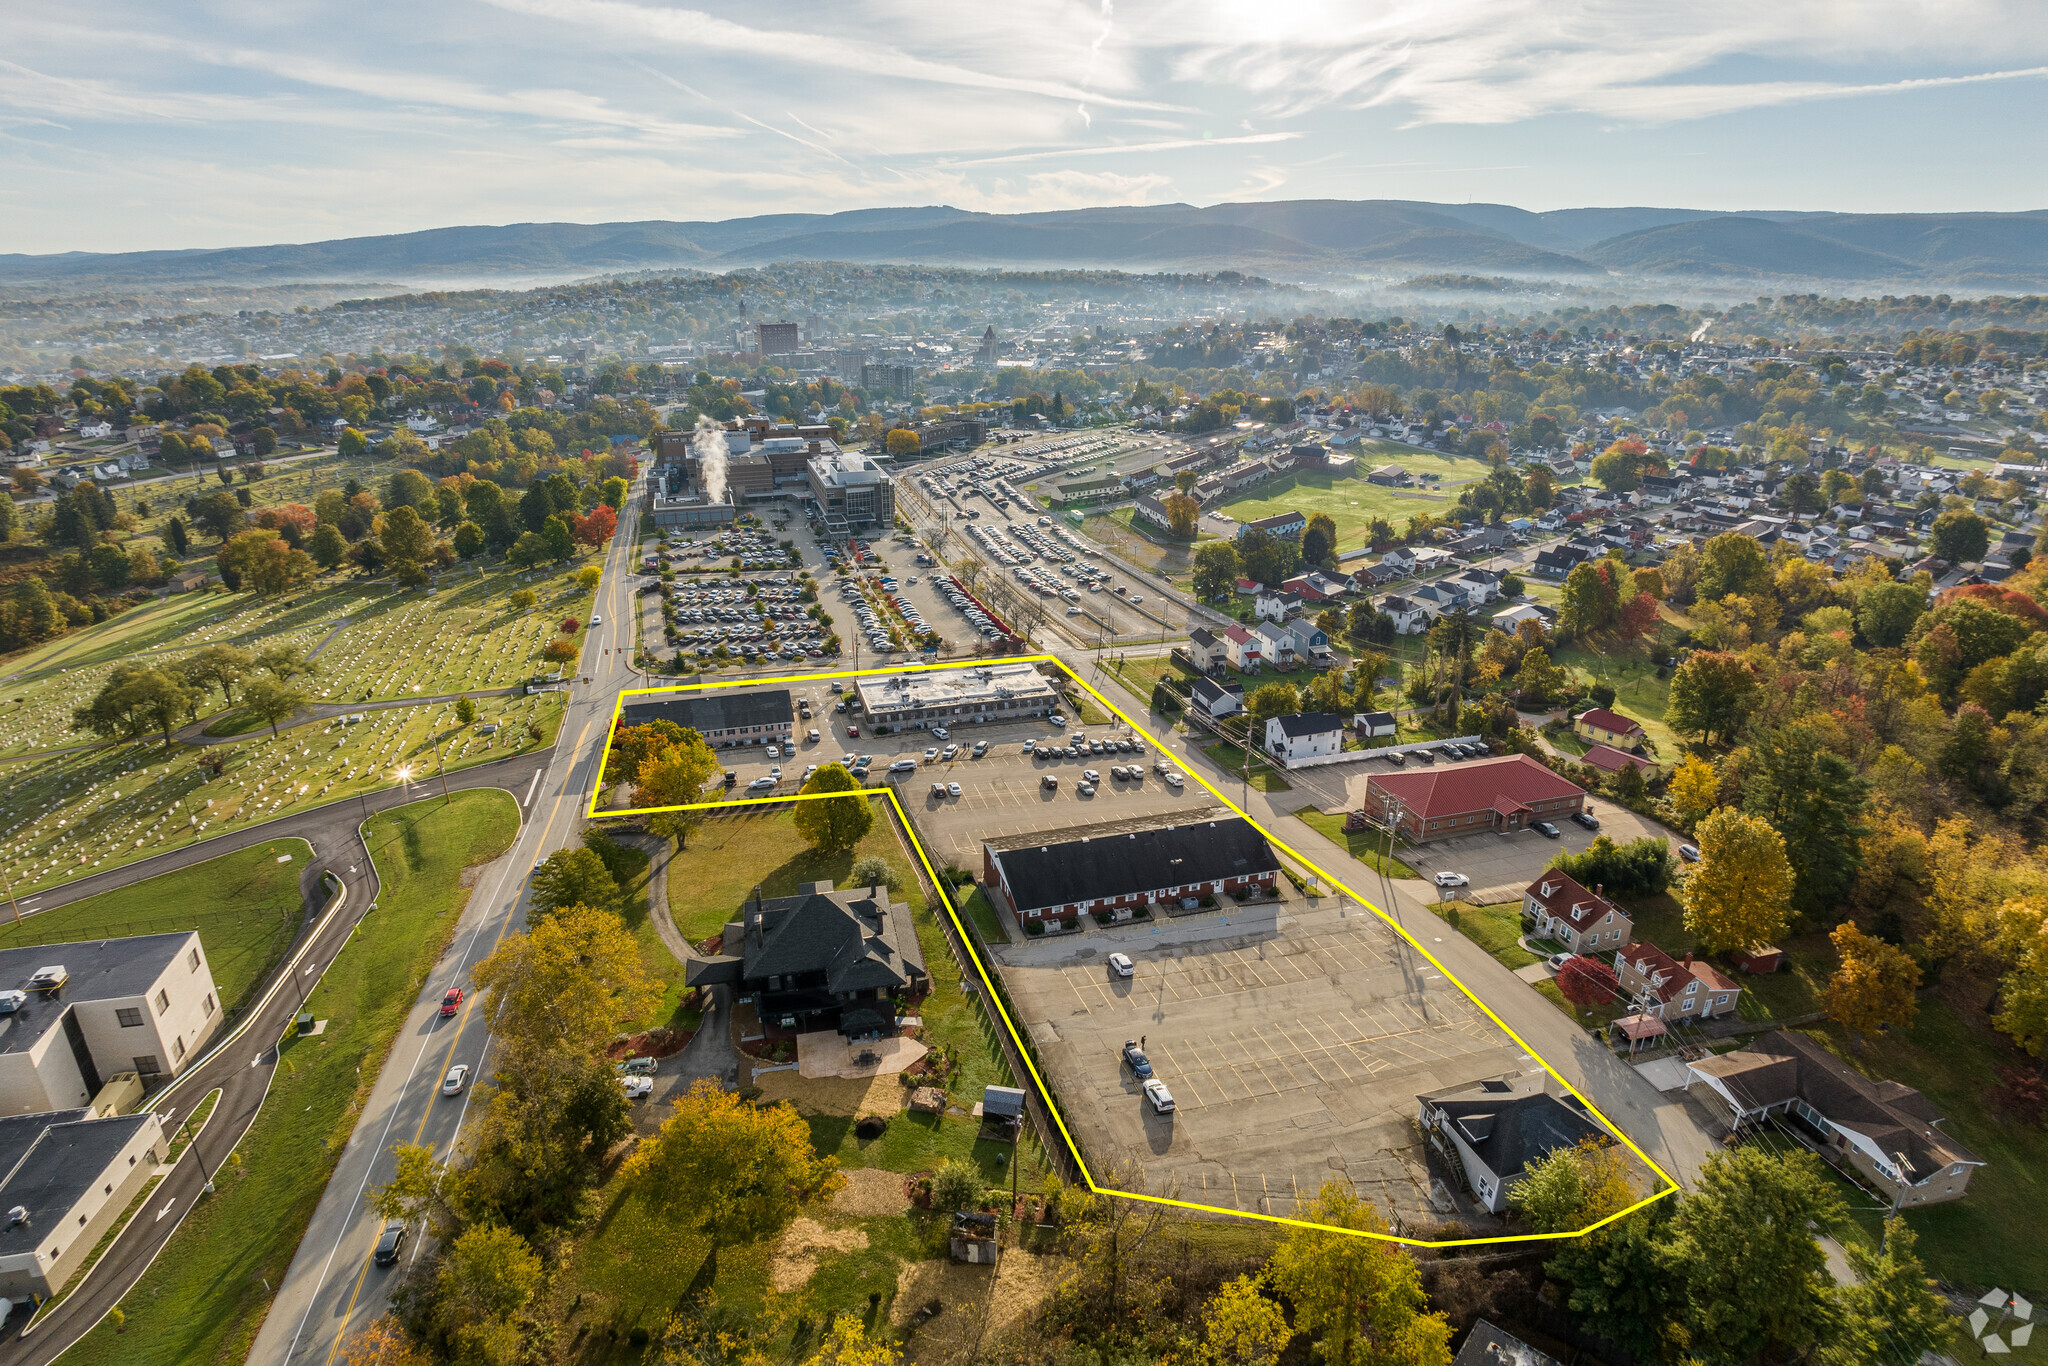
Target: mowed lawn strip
[(203, 1299), (1367, 846), (245, 905)]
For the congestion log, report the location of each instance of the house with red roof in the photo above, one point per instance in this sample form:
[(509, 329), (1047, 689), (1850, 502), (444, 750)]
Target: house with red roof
[(1447, 801), (1667, 988), (1556, 907), (1601, 726), (1608, 759), (1241, 648)]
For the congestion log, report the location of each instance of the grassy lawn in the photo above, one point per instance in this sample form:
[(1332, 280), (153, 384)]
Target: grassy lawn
[(1787, 994), (1638, 693), (729, 855), (1351, 501), (203, 1300), (1493, 928), (1366, 846), (1140, 676), (245, 905), (985, 918), (1591, 1017), (71, 814), (1992, 1235), (1264, 776)]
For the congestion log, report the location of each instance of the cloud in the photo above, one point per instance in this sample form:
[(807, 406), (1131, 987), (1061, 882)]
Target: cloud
[(1126, 149)]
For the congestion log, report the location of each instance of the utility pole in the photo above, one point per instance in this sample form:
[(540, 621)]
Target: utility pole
[(9, 884)]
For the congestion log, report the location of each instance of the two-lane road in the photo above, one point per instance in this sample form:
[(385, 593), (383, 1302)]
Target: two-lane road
[(332, 1288)]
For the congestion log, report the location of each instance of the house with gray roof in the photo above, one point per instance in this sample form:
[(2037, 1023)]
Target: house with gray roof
[(822, 959), (1492, 1130)]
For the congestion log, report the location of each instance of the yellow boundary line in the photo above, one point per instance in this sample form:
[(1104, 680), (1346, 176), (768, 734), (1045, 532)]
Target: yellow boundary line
[(995, 998)]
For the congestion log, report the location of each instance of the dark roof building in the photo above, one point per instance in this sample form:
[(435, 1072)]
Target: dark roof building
[(1487, 1345), (722, 716), (1495, 1129), (72, 1174), (821, 959), (1119, 866)]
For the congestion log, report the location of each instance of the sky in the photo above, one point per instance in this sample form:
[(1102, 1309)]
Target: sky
[(208, 123)]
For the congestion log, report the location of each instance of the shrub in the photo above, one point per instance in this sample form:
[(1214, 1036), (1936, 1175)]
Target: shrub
[(1033, 928), (1642, 867), (866, 872), (956, 1185)]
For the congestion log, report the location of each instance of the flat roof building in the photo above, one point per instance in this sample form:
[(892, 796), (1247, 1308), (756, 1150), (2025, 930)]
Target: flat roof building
[(852, 491), (979, 692), (69, 1174), (144, 1005), (724, 717)]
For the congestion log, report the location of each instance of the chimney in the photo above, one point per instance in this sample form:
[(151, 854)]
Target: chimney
[(1688, 960), (1600, 890)]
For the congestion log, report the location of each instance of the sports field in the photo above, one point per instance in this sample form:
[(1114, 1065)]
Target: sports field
[(1352, 502)]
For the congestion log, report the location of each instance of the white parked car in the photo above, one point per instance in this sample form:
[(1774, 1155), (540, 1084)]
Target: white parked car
[(1453, 880), (1121, 965), (636, 1088), (1159, 1096), (457, 1078), (761, 785), (1174, 779), (1558, 960)]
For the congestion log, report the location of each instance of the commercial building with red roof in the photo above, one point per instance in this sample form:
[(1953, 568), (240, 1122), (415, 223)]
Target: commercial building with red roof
[(1452, 799)]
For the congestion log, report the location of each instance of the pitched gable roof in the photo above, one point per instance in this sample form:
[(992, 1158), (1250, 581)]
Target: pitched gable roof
[(1308, 723), (1508, 1125), (1512, 781), (1088, 865), (1609, 720), (1565, 899), (857, 940)]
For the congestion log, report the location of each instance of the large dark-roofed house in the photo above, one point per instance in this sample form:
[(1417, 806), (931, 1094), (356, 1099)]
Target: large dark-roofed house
[(821, 959), (1118, 867), (1495, 1129), (722, 716)]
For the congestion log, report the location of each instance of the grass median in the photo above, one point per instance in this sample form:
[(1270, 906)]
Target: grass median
[(204, 1298)]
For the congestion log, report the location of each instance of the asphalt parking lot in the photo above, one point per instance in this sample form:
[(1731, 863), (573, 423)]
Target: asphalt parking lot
[(1294, 1037), (1499, 865)]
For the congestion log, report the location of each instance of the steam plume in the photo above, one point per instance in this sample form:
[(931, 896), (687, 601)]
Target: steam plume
[(707, 443)]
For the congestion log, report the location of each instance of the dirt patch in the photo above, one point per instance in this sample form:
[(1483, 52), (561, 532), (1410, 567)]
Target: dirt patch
[(472, 873), (871, 1191), (796, 1253), (854, 1096), (969, 1296)]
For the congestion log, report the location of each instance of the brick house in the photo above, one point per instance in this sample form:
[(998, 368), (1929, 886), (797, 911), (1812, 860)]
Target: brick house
[(1503, 794)]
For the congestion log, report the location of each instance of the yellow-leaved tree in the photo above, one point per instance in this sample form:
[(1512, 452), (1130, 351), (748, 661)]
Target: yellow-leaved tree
[(1694, 787), (1873, 988), (1740, 893), (1360, 1299)]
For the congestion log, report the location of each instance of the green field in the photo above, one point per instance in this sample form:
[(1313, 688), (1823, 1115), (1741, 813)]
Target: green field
[(245, 905), (1493, 928), (1352, 502), (204, 1298), (1264, 776), (1367, 846)]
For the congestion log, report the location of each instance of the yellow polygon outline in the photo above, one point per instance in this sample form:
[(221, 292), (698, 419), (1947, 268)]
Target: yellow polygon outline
[(1023, 1050)]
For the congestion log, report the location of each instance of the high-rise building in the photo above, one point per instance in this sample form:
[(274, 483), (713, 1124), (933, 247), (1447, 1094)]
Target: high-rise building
[(778, 339), (896, 381), (853, 493)]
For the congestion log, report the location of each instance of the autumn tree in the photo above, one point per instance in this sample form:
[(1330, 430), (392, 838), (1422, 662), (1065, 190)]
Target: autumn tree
[(1241, 1326), (1890, 1309), (1182, 513), (1569, 1189), (1215, 569), (572, 877), (570, 981), (2022, 1000), (732, 1171), (1588, 982), (1739, 895), (1694, 788), (834, 823), (1731, 563), (488, 1274), (1359, 1299), (1873, 987), (1539, 680), (1274, 699), (383, 1343), (261, 561), (632, 746), (1711, 694), (133, 701), (406, 538), (673, 774), (1959, 536)]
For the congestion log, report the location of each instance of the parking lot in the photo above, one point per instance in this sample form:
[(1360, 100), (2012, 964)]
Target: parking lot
[(1294, 1037)]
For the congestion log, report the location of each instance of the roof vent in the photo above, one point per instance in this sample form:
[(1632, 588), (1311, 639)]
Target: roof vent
[(17, 1216)]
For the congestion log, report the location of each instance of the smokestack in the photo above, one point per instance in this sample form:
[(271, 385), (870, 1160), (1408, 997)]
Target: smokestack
[(707, 443)]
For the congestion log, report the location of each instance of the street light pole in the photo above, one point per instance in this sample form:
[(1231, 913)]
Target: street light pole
[(9, 884)]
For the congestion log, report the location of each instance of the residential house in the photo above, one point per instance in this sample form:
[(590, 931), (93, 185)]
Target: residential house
[(822, 959), (1057, 876), (1304, 735), (1480, 586), (1555, 906), (1437, 599), (1608, 759), (1397, 563), (1493, 1130), (1674, 989), (1276, 644), (1150, 509), (1409, 617), (1315, 586), (1311, 642), (1272, 604), (1511, 620), (1241, 648), (1556, 562), (1487, 1345), (1204, 649), (1451, 800), (1890, 1133), (1217, 698), (1285, 524), (1605, 727)]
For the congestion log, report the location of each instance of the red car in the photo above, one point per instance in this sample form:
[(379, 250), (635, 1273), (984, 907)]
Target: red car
[(853, 732), (452, 1002)]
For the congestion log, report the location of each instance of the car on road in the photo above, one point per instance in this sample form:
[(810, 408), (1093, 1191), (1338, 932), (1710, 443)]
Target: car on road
[(457, 1078), (1135, 1059), (952, 789), (1689, 852), (452, 1002), (597, 621), (1160, 1098), (636, 1088), (853, 732), (1557, 961), (1121, 965), (1545, 829), (1587, 819), (1453, 880), (389, 1245), (1174, 779), (904, 766)]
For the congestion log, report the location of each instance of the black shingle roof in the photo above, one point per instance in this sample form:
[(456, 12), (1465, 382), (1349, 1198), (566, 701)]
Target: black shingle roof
[(1057, 874), (54, 1167), (1309, 723), (1507, 1132)]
